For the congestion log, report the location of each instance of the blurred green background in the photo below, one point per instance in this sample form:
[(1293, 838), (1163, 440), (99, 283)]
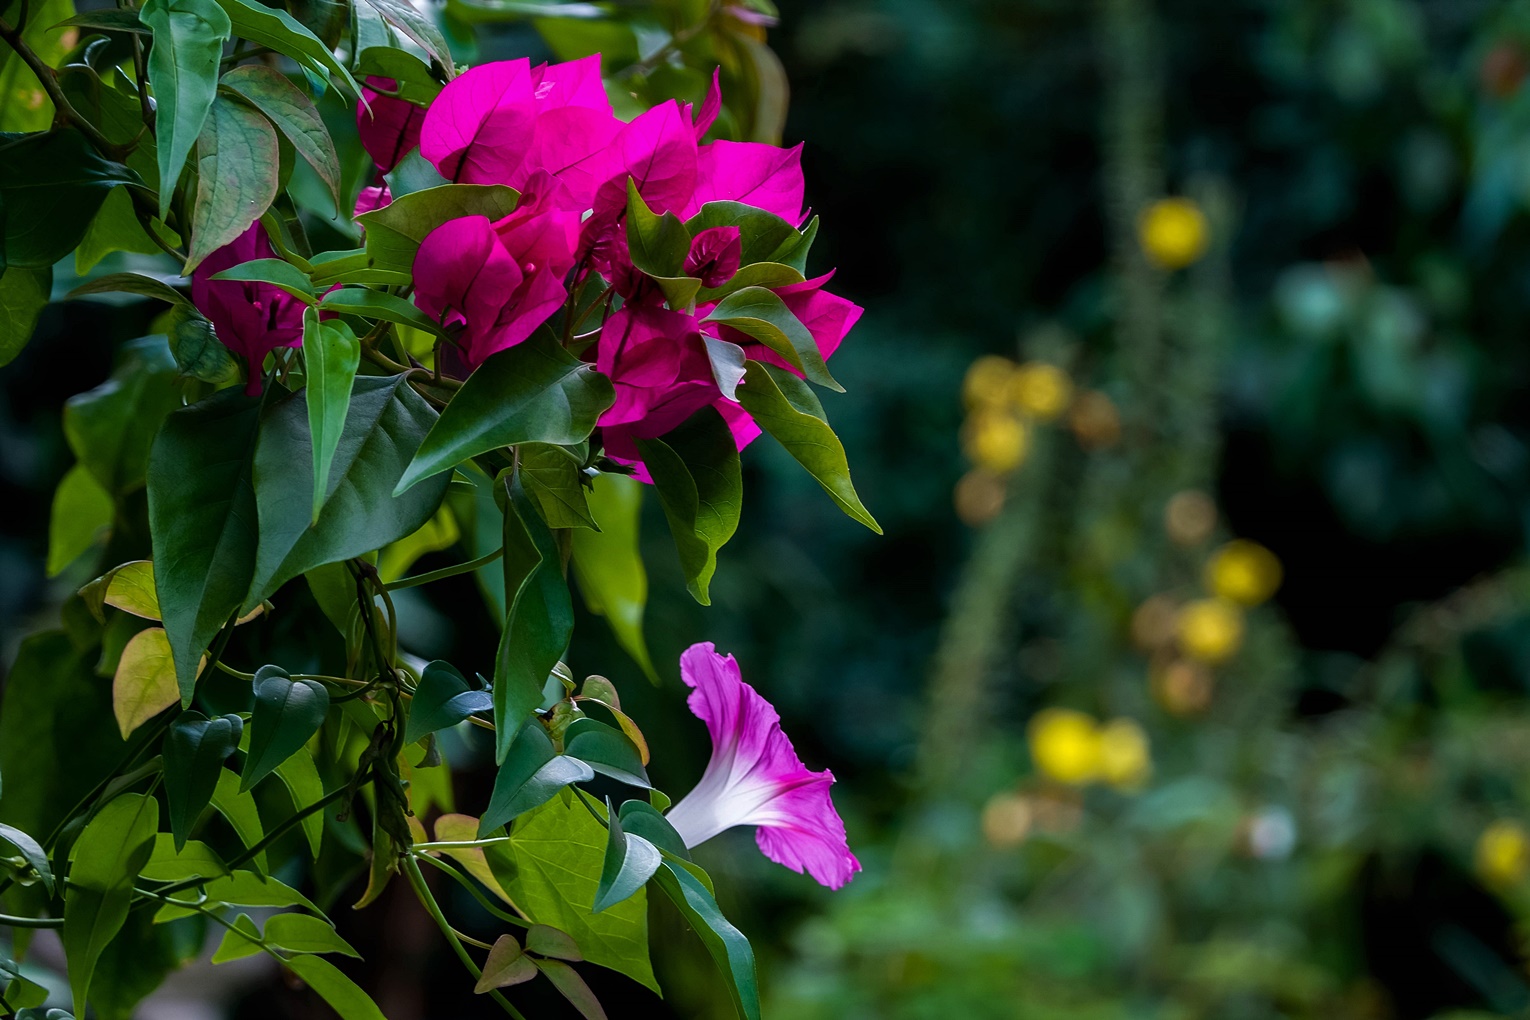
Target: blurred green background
[(1309, 805)]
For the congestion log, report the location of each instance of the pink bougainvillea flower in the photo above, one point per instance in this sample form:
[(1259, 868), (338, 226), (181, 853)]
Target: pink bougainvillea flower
[(703, 119), (389, 127), (755, 777), (574, 83), (658, 364), (756, 174), (657, 150), (372, 198), (251, 319), (714, 256), (543, 231), (465, 277), (478, 130)]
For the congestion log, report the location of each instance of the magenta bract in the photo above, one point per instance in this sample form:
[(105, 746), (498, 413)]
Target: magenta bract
[(251, 319)]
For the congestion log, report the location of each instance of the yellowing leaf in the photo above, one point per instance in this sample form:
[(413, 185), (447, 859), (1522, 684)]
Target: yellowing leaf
[(145, 682), (462, 829), (132, 590)]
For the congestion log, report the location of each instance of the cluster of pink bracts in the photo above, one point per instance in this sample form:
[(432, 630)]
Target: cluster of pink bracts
[(549, 132)]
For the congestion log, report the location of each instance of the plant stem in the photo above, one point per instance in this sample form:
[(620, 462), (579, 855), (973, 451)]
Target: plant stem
[(483, 901), (464, 844), (49, 82), (417, 881), (444, 572), (12, 921)]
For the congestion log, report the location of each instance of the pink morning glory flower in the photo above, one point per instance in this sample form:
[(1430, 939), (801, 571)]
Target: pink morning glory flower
[(251, 319), (755, 777)]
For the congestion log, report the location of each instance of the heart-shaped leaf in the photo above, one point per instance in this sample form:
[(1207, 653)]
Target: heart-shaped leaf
[(195, 749), (442, 699), (287, 713)]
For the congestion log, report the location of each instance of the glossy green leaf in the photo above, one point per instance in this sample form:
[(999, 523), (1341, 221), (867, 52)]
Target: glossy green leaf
[(605, 749), (729, 948), (167, 864), (553, 478), (411, 75), (111, 850), (532, 774), (759, 274), (699, 480), (395, 231), (377, 304), (240, 939), (110, 20), (414, 172), (506, 965), (31, 852), (238, 170), (794, 250), (550, 868), (110, 428), (572, 987), (630, 862), (293, 933), (384, 426), (442, 699), (762, 234), (277, 272), (534, 392), (294, 115), (238, 809), (418, 27), (331, 355), (785, 407), (540, 619), (202, 520), (287, 713), (197, 349), (183, 72), (195, 749), (344, 996), (608, 564), (300, 776), (240, 889), (275, 28), (130, 283), (23, 295), (82, 514), (639, 818), (658, 244), (761, 314), (45, 215)]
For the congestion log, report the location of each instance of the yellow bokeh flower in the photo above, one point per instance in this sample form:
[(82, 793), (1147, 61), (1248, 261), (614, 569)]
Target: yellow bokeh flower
[(1173, 232), (1040, 391), (1065, 745), (1126, 759), (1243, 572), (1503, 854), (1210, 630), (995, 441), (986, 383)]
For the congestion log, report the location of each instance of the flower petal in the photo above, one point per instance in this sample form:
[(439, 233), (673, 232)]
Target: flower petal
[(754, 173), (479, 128), (389, 127)]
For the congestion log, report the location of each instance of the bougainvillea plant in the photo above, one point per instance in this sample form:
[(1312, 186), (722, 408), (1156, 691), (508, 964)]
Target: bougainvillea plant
[(538, 315)]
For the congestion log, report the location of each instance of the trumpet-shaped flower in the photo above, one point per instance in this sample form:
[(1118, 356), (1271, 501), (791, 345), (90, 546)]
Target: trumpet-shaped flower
[(755, 777), (251, 319)]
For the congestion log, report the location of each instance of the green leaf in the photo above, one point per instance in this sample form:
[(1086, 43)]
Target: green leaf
[(414, 172), (572, 987), (44, 215), (386, 422), (130, 283), (728, 946), (630, 862), (301, 777), (697, 474), (534, 392), (195, 749), (761, 314), (639, 818), (277, 272), (240, 889), (439, 533), (238, 167), (294, 115), (442, 699), (183, 72), (344, 996), (110, 852), (607, 750), (609, 567), (23, 295), (395, 231), (411, 75), (115, 228), (110, 428), (294, 933), (762, 234), (545, 940), (24, 106), (658, 244), (532, 774), (202, 520), (552, 476), (195, 859), (505, 966), (419, 28), (540, 620), (82, 514), (550, 868), (198, 351), (760, 274), (112, 20), (794, 250), (784, 406), (376, 304), (275, 28), (240, 939), (31, 852), (287, 714), (144, 683), (238, 809), (331, 354)]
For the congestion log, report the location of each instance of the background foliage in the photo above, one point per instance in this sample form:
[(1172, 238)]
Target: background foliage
[(1343, 371)]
